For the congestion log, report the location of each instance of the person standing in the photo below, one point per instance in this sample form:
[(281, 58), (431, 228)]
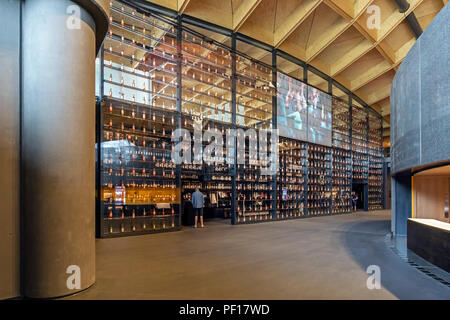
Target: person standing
[(197, 202), (354, 200)]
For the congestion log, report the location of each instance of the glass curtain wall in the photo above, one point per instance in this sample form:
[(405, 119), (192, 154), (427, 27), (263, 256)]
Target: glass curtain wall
[(206, 106), (160, 74), (360, 159), (375, 152), (254, 92), (342, 156), (139, 187)]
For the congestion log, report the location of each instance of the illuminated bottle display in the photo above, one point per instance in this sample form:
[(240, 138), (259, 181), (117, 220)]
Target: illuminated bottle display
[(376, 192), (157, 79)]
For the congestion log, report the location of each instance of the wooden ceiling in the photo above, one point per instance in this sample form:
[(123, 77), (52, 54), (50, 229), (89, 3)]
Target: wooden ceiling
[(331, 35)]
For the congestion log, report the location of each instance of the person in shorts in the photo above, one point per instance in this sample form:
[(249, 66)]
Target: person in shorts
[(354, 200), (198, 202)]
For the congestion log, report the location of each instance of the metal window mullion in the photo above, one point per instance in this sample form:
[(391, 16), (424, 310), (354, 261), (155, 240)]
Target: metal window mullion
[(274, 127), (233, 125), (350, 105), (99, 131), (179, 97)]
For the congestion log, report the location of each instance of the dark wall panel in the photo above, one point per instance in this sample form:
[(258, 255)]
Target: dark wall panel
[(420, 99), (401, 202), (435, 90), (405, 117)]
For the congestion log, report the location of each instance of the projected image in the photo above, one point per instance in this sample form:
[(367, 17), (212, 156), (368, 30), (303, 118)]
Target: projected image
[(319, 117), (292, 107)]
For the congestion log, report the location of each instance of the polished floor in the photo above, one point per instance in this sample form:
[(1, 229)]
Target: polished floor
[(315, 258)]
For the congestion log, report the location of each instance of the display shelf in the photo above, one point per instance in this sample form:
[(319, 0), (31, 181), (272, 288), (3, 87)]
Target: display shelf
[(139, 188), (342, 181), (254, 193), (206, 77), (319, 180), (360, 159), (139, 192), (254, 93), (158, 78), (376, 193), (292, 182), (341, 124)]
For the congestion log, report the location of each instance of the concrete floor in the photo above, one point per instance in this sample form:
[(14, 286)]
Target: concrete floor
[(315, 258)]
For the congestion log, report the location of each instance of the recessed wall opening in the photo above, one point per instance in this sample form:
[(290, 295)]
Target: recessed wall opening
[(431, 190)]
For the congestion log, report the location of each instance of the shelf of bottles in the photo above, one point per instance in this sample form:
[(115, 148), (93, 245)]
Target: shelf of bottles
[(217, 183), (191, 172), (375, 152), (254, 92), (341, 124), (319, 180), (342, 157), (206, 106), (292, 179), (139, 189), (342, 181), (360, 158), (206, 78), (254, 194)]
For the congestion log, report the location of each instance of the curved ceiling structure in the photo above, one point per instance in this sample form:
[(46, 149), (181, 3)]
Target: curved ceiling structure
[(359, 43)]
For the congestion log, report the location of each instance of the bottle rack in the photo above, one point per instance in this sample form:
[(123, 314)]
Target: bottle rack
[(192, 174), (292, 179), (253, 94), (206, 78), (254, 190), (360, 159), (376, 194), (341, 124), (139, 191), (139, 111), (139, 188), (342, 181), (319, 180), (140, 58)]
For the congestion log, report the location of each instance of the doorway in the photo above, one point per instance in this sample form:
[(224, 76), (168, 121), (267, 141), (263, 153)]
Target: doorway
[(217, 196), (361, 190)]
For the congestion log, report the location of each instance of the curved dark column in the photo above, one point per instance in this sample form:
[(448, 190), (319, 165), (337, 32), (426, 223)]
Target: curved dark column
[(58, 144), (420, 100), (420, 113)]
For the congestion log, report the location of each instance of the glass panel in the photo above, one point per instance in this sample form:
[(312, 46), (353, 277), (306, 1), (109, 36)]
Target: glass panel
[(139, 190), (359, 143), (292, 179), (254, 92), (340, 94), (319, 180), (206, 79), (341, 124), (317, 82), (289, 68), (375, 162), (342, 159), (254, 52), (207, 105)]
